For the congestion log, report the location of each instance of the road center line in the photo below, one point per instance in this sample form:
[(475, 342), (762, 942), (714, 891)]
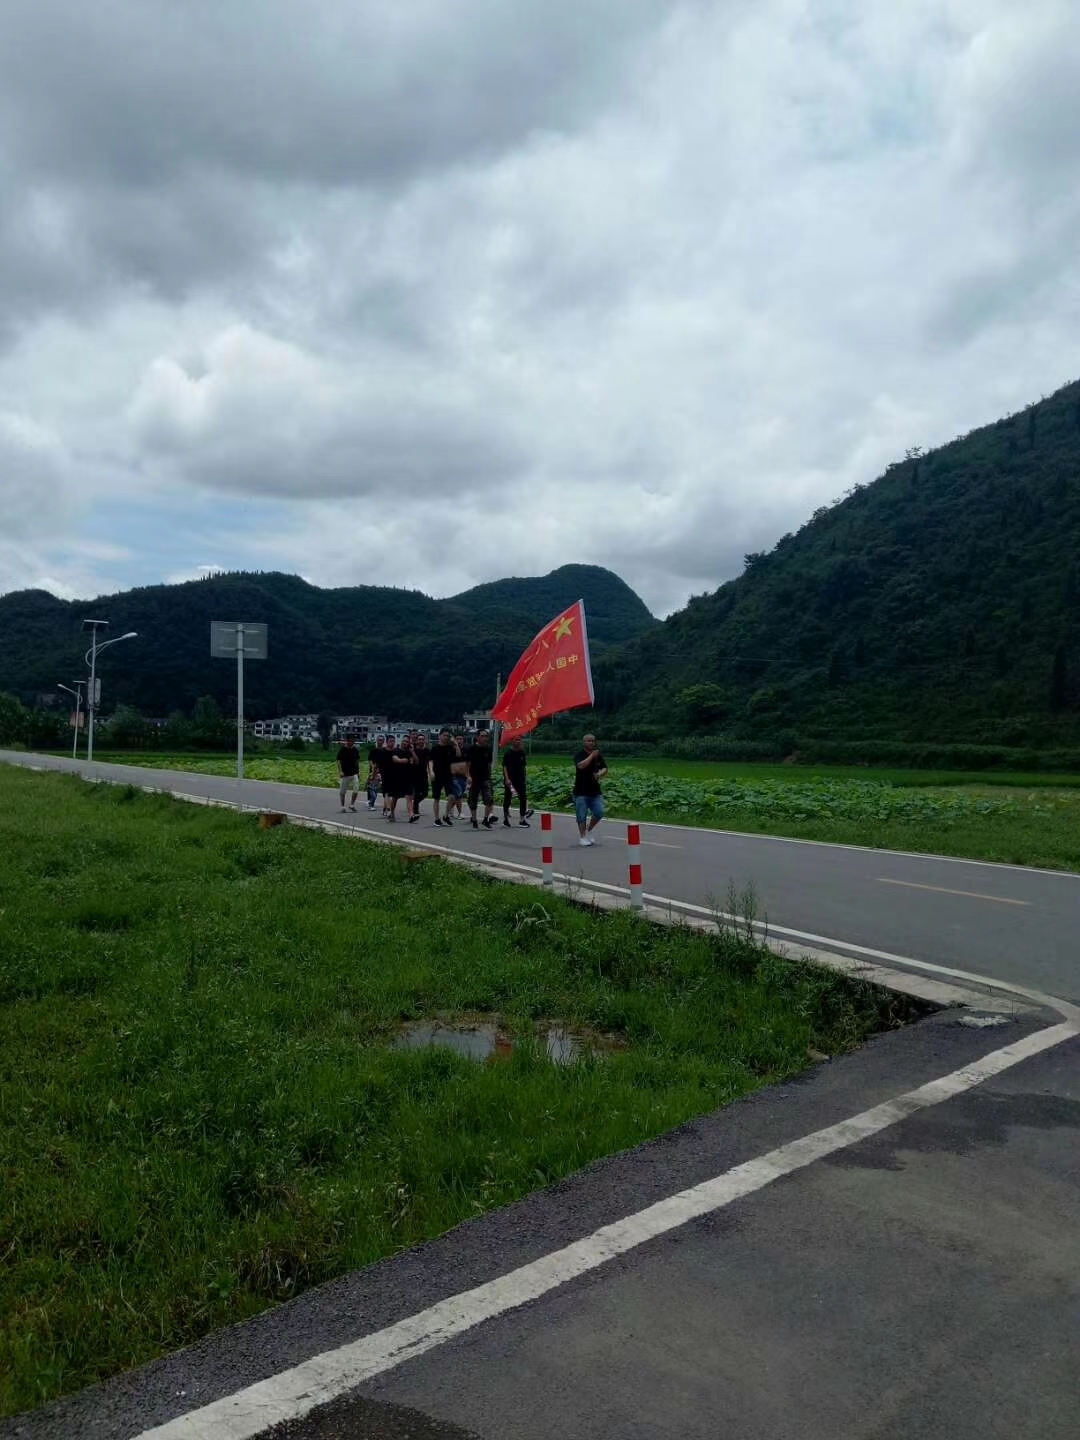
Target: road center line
[(297, 1391), (660, 845), (944, 890)]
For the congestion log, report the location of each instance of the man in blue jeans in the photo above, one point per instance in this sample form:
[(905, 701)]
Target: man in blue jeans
[(589, 769)]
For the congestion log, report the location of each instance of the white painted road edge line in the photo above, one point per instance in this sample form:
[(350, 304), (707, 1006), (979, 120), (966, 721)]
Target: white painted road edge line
[(574, 884), (671, 825), (297, 1391), (1063, 1007)]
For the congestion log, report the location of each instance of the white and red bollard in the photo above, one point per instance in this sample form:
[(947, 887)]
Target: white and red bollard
[(637, 889), (547, 851)]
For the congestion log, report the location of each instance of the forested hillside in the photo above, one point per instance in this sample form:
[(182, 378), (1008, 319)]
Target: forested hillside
[(941, 602), (364, 648)]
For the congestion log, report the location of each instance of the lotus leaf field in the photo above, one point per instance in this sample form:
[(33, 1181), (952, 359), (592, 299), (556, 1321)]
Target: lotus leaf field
[(1015, 825)]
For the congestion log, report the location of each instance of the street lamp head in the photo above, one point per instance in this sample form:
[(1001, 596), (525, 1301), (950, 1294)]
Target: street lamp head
[(94, 624), (131, 635)]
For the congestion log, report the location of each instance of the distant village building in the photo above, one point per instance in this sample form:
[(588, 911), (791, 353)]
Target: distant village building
[(361, 727), (306, 727), (287, 727)]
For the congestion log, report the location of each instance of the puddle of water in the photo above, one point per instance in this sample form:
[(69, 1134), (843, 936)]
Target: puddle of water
[(488, 1042)]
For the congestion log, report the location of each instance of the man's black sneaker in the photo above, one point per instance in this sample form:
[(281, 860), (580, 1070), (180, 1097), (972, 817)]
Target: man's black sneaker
[(413, 819), (449, 822), (528, 814), (506, 822), (437, 820), (474, 823), (525, 823)]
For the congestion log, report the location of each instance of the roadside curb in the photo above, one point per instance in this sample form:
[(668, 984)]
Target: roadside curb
[(941, 989)]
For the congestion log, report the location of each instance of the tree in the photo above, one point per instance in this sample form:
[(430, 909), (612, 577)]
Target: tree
[(702, 705), (324, 724), (127, 728), (209, 728), (1059, 680), (14, 721)]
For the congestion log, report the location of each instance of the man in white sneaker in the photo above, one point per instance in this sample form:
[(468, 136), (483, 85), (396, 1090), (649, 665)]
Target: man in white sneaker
[(589, 769)]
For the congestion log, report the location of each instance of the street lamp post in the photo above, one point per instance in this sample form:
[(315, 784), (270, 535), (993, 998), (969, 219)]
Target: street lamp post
[(77, 692), (91, 659)]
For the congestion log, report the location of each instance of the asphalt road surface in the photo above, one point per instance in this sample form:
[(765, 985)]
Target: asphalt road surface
[(900, 1256), (1005, 921)]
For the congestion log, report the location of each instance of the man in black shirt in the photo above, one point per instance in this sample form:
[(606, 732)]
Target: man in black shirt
[(441, 758), (398, 781), (384, 759), (348, 769), (479, 758), (514, 763), (590, 767)]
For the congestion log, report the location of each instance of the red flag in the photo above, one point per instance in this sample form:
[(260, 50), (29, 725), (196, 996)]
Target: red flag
[(553, 674)]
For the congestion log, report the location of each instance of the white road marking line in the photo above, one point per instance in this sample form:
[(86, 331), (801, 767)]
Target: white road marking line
[(661, 846), (69, 768), (665, 901), (866, 849), (296, 1392), (943, 890), (1063, 1007)]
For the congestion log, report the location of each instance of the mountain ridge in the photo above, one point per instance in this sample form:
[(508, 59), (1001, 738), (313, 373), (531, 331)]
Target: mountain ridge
[(379, 649), (940, 600)]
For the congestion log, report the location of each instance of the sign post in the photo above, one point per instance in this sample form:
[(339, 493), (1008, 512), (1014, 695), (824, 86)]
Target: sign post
[(245, 641)]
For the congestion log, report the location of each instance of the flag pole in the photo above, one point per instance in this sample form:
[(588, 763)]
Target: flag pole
[(495, 723)]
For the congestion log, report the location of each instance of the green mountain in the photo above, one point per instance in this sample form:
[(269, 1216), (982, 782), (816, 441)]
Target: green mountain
[(940, 602), (365, 648)]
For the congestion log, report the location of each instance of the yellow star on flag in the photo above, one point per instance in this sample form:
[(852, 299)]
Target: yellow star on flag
[(562, 629)]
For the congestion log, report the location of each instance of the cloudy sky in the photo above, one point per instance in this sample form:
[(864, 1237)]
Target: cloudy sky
[(427, 293)]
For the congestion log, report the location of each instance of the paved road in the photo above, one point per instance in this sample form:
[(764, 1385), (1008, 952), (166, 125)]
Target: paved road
[(865, 1295), (921, 1281), (1004, 921)]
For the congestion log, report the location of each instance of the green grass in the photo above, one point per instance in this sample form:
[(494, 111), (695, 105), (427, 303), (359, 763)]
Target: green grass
[(981, 818), (201, 1114)]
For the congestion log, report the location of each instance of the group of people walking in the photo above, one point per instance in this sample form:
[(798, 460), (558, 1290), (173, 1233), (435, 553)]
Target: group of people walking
[(456, 774)]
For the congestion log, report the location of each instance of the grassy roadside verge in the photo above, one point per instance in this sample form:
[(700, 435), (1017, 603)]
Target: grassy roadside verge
[(200, 1110), (1015, 825)]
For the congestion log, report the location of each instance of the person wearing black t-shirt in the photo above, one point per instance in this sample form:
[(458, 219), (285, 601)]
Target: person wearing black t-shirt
[(348, 769), (590, 767), (399, 777), (514, 763), (385, 761), (479, 758), (441, 759)]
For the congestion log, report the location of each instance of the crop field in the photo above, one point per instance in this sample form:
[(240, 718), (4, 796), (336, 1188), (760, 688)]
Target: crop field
[(205, 1106), (1016, 824)]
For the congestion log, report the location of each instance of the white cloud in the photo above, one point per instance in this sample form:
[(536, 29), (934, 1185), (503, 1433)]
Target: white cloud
[(639, 284)]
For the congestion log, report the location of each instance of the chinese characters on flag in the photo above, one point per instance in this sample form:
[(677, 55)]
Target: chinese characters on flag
[(552, 675)]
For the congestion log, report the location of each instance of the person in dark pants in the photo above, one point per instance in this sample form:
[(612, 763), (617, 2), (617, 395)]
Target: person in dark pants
[(514, 763), (420, 755), (398, 784), (479, 759), (385, 761), (441, 759), (374, 777), (348, 769)]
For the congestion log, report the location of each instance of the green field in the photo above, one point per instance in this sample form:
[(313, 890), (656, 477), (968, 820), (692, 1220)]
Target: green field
[(201, 1109), (1022, 820)]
